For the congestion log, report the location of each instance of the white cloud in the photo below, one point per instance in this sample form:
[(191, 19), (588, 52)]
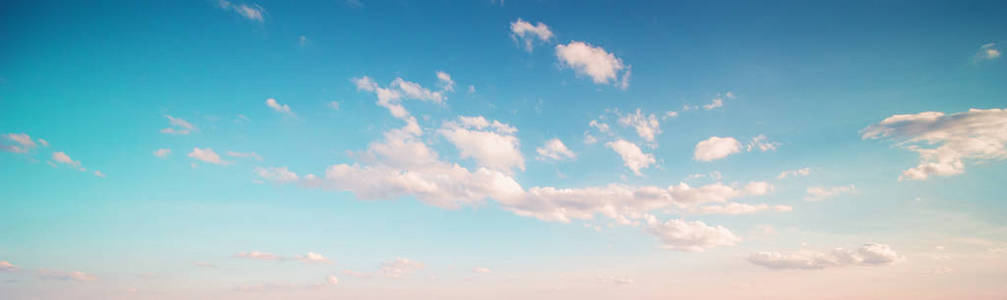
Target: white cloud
[(43, 142), (716, 148), (717, 102), (987, 52), (632, 157), (276, 106), (252, 12), (818, 193), (481, 270), (400, 267), (62, 158), (761, 143), (444, 80), (332, 280), (162, 152), (694, 236), (392, 96), (66, 275), (312, 257), (794, 173), (670, 114), (527, 33), (871, 254), (595, 62), (647, 126), (99, 174), (206, 155), (602, 127), (258, 255), (734, 208), (945, 142), (252, 155), (23, 141), (554, 149), (178, 126), (276, 174), (492, 146)]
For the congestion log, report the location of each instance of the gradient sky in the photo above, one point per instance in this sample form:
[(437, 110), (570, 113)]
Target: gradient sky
[(503, 150)]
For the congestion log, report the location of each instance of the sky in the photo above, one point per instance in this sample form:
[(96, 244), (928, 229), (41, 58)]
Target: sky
[(503, 149)]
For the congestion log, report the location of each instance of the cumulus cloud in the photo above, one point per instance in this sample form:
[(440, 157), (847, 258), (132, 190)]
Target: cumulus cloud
[(66, 275), (162, 152), (280, 108), (819, 193), (206, 155), (694, 236), (391, 97), (554, 149), (716, 148), (595, 62), (400, 267), (492, 145), (871, 254), (178, 126), (794, 173), (647, 126), (632, 157), (252, 12), (945, 142), (526, 33), (312, 257)]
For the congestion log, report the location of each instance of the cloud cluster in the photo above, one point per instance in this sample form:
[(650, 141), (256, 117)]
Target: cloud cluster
[(871, 254), (945, 142)]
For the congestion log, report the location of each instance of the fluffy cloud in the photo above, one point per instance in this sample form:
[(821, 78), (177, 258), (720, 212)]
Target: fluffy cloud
[(62, 158), (24, 143), (554, 149), (400, 267), (716, 148), (987, 52), (527, 33), (252, 12), (332, 280), (312, 257), (632, 157), (794, 173), (692, 236), (871, 254), (178, 126), (818, 193), (66, 275), (391, 97), (444, 80), (492, 145), (595, 62), (280, 108), (647, 126), (944, 142), (162, 152), (276, 174), (206, 155), (717, 102)]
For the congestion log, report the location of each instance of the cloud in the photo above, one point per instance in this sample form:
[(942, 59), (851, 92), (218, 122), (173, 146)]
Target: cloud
[(312, 257), (280, 175), (276, 106), (944, 142), (871, 254), (734, 208), (632, 157), (303, 41), (761, 143), (716, 148), (62, 158), (693, 236), (400, 267), (554, 149), (527, 33), (492, 145), (23, 141), (392, 96), (445, 82), (602, 127), (647, 126), (717, 102), (482, 270), (206, 155), (252, 12), (162, 152), (987, 52), (256, 255), (818, 193), (252, 155), (7, 266), (178, 126), (332, 280), (595, 62), (99, 174), (794, 173), (66, 275), (334, 105)]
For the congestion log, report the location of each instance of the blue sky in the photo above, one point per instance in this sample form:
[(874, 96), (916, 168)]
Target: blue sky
[(459, 150)]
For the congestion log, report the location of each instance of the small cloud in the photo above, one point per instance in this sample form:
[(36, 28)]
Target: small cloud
[(794, 173), (481, 270), (276, 106), (715, 148), (312, 257), (178, 126), (24, 143), (62, 158), (99, 174), (65, 275), (585, 59), (162, 152), (206, 155), (761, 143), (334, 105), (400, 267), (987, 52), (526, 33), (554, 149), (252, 155), (332, 280), (445, 82), (258, 255), (818, 193), (252, 12)]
